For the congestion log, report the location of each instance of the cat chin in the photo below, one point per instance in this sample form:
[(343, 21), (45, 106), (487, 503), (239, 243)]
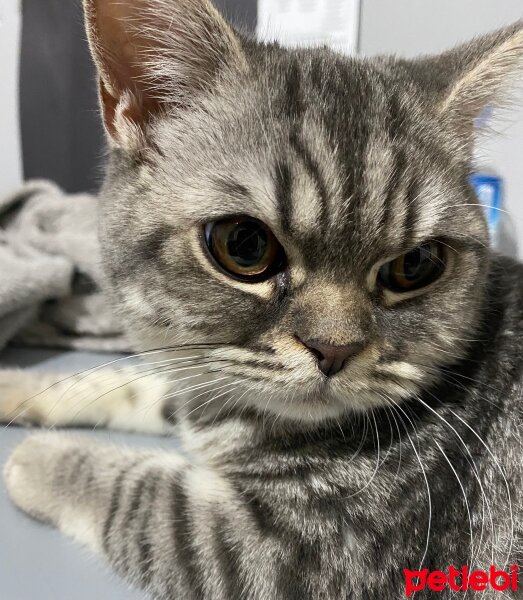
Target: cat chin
[(326, 401)]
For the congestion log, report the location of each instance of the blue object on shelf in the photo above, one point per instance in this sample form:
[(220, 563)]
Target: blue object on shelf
[(489, 190)]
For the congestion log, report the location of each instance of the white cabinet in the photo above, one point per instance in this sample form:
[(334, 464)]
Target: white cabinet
[(303, 22), (10, 145)]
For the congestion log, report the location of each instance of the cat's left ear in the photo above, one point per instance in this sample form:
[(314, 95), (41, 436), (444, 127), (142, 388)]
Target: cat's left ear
[(465, 80), (153, 56)]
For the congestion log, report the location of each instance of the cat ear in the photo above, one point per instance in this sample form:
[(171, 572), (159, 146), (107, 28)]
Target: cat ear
[(465, 80), (155, 55)]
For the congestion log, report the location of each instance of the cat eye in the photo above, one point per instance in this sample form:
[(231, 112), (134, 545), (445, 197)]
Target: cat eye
[(244, 248), (415, 269)]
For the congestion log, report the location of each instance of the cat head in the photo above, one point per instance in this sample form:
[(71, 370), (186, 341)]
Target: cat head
[(307, 214)]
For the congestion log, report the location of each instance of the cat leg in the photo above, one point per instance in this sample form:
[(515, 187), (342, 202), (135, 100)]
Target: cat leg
[(124, 400), (170, 527)]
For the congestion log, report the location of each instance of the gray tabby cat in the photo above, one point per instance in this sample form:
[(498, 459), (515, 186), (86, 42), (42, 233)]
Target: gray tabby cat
[(297, 227)]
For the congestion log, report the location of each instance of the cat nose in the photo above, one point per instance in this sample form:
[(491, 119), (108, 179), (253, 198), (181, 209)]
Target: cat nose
[(332, 359)]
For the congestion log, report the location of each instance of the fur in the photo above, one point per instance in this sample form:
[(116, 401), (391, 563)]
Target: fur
[(295, 485)]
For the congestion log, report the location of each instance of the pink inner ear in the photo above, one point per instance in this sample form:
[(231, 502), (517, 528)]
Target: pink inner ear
[(151, 53), (114, 19), (115, 27)]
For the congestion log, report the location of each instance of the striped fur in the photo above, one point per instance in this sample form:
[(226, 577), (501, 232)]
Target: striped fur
[(292, 486)]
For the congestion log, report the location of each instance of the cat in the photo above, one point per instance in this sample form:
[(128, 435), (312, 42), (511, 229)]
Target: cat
[(292, 236)]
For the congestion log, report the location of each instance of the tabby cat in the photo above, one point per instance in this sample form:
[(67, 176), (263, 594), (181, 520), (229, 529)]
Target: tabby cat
[(291, 237)]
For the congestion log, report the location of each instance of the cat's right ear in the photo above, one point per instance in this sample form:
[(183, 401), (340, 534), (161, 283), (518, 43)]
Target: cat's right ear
[(462, 82), (155, 56)]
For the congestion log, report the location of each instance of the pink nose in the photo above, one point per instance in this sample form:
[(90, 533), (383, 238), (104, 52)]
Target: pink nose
[(331, 359)]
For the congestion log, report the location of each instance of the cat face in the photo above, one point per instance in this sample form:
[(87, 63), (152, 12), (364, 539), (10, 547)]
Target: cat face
[(307, 214)]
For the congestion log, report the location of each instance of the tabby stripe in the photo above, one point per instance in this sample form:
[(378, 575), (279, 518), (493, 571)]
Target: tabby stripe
[(150, 247), (169, 409), (284, 193), (293, 97), (313, 169), (114, 505), (233, 188), (136, 496), (260, 512), (283, 285), (247, 416), (396, 177), (130, 516), (395, 117), (186, 557), (144, 546), (409, 225), (77, 462), (89, 477), (229, 560), (301, 559), (295, 471)]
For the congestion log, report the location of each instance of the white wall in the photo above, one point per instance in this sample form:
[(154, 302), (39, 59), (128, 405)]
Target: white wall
[(411, 27), (10, 146)]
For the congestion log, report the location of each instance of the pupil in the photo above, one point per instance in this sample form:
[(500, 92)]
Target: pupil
[(247, 244), (416, 262)]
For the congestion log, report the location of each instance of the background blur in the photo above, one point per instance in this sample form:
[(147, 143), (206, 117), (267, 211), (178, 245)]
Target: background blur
[(48, 108)]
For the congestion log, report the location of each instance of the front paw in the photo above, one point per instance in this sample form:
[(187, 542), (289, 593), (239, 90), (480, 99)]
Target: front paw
[(31, 473), (18, 403)]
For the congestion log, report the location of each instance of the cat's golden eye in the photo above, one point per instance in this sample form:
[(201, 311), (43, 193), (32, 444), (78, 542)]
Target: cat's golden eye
[(415, 269), (244, 248)]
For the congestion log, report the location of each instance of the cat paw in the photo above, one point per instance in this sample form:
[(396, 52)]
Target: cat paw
[(17, 405), (30, 473)]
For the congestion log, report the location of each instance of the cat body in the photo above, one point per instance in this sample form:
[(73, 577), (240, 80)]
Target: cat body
[(267, 511), (291, 236)]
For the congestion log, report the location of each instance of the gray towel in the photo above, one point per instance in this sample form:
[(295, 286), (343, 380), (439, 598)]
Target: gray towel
[(51, 275)]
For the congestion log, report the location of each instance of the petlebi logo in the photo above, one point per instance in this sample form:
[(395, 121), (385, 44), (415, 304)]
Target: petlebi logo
[(461, 580)]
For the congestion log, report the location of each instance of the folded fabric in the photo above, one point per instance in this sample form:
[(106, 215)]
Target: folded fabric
[(51, 290)]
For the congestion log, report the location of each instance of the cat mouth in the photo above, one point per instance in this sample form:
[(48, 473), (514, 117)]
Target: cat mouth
[(269, 382)]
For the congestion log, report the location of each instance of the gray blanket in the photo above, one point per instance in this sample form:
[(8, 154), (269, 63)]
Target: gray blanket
[(51, 276)]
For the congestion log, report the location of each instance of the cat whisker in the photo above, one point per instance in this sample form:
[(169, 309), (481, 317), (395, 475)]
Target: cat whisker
[(278, 415), (172, 365), (438, 348), (452, 377), (196, 386), (503, 475), (155, 372), (236, 400), (190, 400), (166, 369), (424, 473), (190, 389), (234, 385), (489, 206), (368, 483), (400, 444), (185, 391), (160, 382), (226, 393), (363, 438), (471, 561), (82, 375), (391, 443), (472, 464)]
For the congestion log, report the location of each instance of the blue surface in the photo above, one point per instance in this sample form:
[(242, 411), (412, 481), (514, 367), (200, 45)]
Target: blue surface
[(489, 190), (37, 562)]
